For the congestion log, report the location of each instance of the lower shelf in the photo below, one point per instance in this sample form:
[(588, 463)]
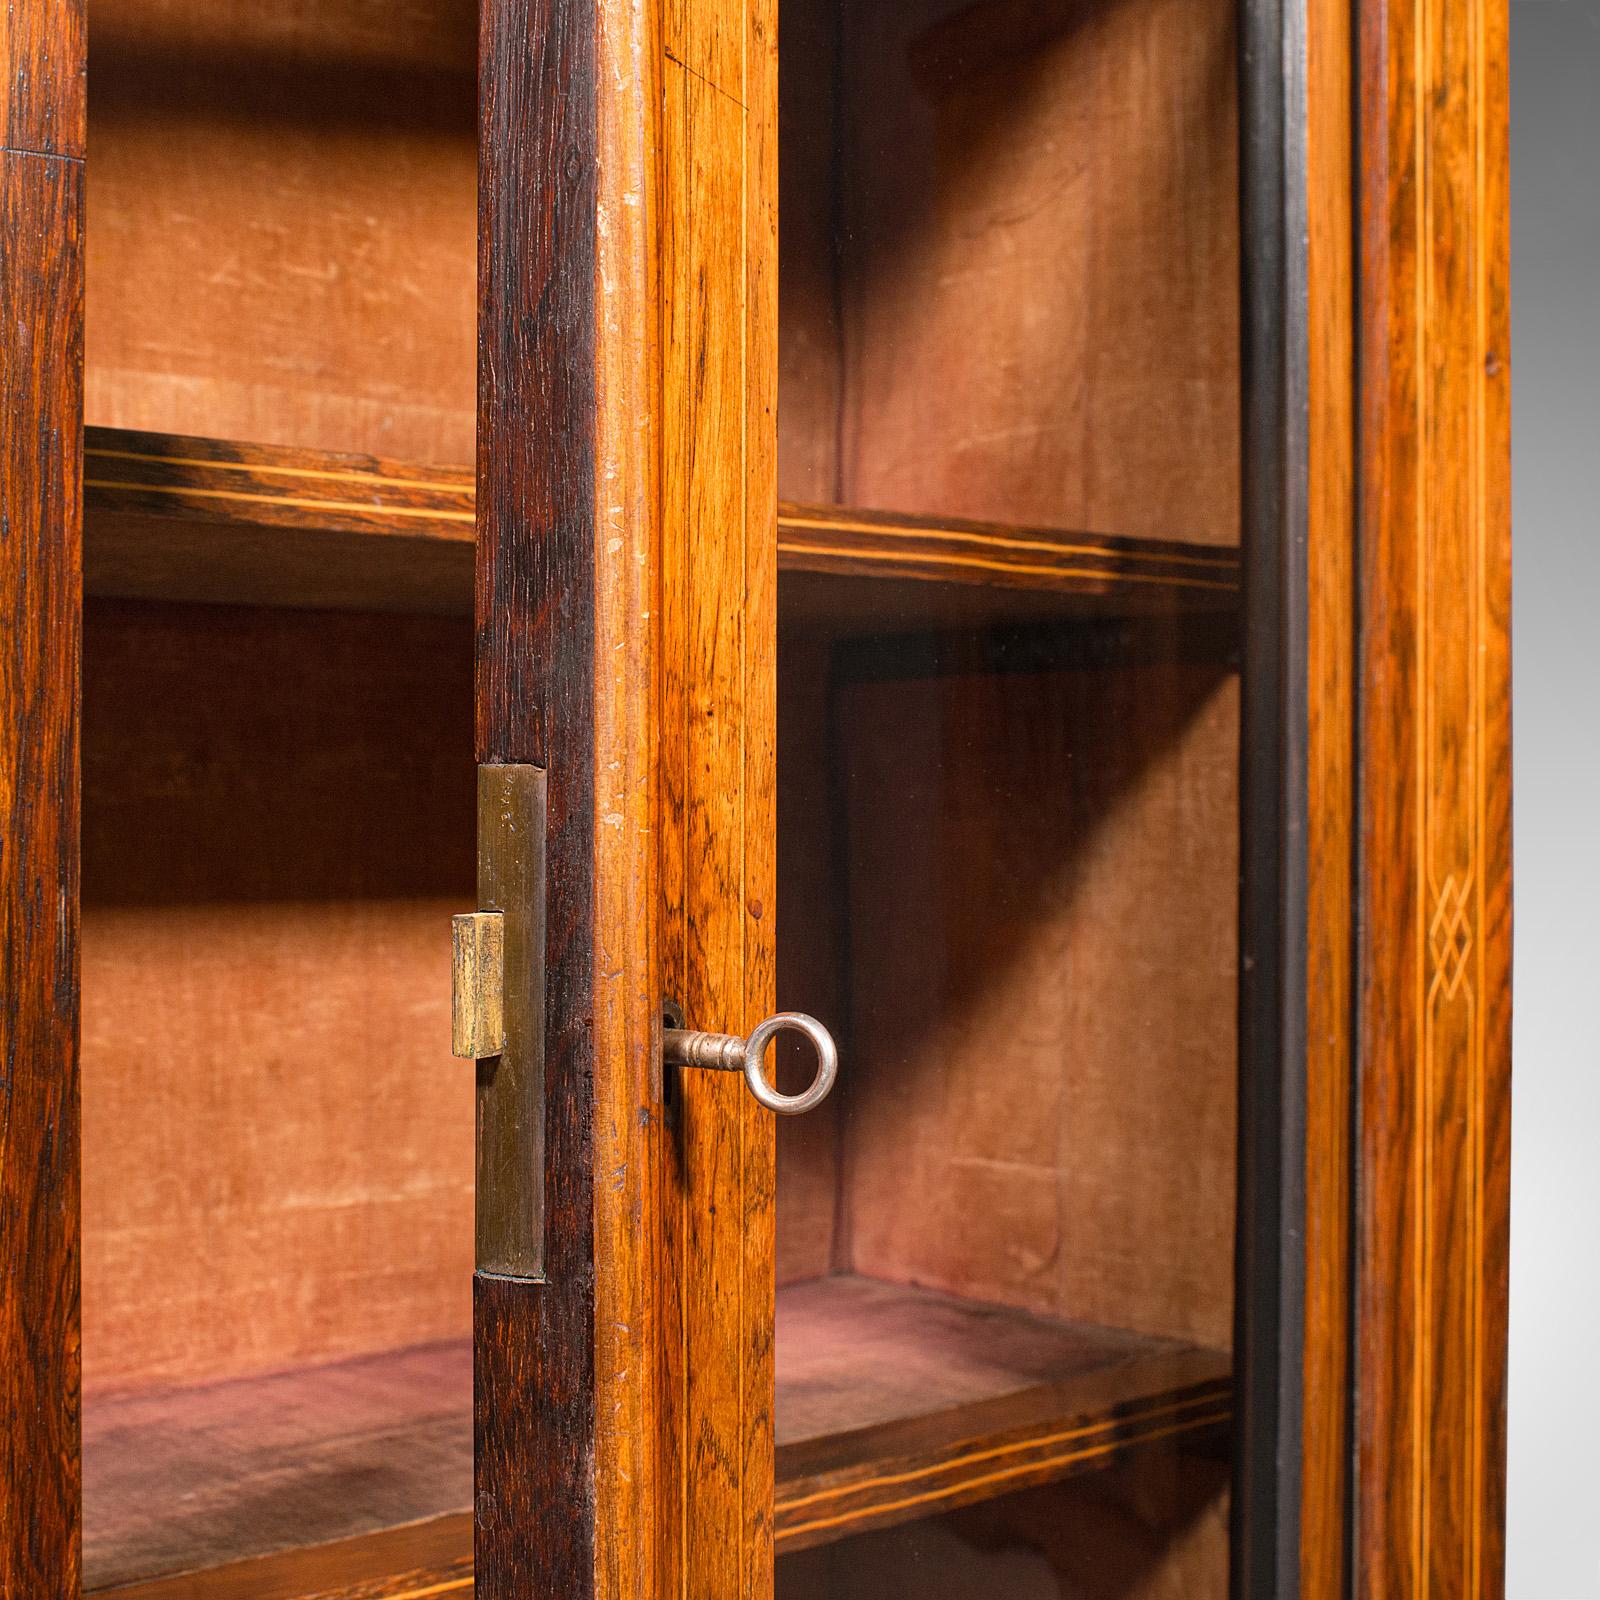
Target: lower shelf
[(352, 1481), (896, 1403), (187, 1480)]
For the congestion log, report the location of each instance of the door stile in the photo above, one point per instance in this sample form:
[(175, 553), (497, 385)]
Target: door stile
[(628, 1126), (566, 680), (718, 603), (41, 471)]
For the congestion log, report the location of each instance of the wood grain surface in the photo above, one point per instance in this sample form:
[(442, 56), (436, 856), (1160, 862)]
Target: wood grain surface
[(891, 1403), (41, 83), (177, 1480), (629, 1131), (597, 268), (950, 550), (1330, 798), (175, 517), (718, 605), (419, 1561), (41, 310), (536, 603), (186, 518), (1435, 894)]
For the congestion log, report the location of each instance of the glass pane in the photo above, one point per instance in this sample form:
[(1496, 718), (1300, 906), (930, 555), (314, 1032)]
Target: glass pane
[(1008, 808), (278, 803)]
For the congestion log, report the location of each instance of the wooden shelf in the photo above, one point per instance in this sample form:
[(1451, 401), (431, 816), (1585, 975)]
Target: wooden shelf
[(322, 1480), (178, 518), (172, 518), (355, 1479), (432, 1558), (896, 1403), (879, 569)]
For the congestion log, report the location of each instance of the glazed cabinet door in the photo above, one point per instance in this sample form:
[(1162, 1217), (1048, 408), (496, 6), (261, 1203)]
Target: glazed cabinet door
[(870, 608), (626, 571)]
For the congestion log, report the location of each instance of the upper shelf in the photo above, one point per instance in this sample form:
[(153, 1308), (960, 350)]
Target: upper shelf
[(176, 518), (870, 567)]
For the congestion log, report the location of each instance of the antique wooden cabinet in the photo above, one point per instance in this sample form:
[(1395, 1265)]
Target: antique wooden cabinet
[(989, 528)]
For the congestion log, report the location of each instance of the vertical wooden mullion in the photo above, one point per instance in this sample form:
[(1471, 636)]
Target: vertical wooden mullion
[(714, 1106), (41, 440), (673, 847), (759, 354)]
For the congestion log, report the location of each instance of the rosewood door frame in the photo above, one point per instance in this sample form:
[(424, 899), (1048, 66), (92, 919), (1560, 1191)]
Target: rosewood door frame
[(626, 567), (566, 1368), (41, 443)]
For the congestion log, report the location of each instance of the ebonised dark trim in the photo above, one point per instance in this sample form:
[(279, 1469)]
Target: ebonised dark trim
[(1270, 1278)]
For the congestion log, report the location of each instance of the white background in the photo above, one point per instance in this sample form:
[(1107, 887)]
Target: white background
[(1554, 1519)]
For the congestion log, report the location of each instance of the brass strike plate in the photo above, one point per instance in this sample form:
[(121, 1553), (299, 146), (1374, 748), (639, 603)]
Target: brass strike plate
[(499, 1017)]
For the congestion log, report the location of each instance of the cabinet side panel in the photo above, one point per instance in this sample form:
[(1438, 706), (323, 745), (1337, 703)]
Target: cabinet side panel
[(1434, 986), (41, 436)]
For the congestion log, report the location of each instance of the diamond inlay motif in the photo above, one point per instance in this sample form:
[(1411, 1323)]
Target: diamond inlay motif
[(1450, 935)]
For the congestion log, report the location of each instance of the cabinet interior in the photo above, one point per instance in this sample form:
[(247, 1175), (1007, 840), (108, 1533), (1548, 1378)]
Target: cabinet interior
[(1008, 848), (282, 236), (279, 802), (1008, 734)]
